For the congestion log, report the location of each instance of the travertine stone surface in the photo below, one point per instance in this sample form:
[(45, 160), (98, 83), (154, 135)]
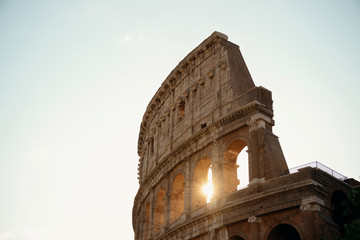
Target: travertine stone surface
[(202, 117)]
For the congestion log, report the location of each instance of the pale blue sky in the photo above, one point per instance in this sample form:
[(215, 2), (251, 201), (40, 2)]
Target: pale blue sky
[(76, 77)]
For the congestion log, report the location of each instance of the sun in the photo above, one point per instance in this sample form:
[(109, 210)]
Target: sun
[(207, 189)]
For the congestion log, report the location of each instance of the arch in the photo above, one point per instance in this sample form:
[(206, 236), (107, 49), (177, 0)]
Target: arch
[(177, 197), (283, 231), (236, 237), (146, 221), (230, 165), (199, 179), (337, 198), (159, 211)]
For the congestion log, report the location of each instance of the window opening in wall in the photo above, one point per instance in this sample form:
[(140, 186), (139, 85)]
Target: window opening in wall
[(243, 169), (181, 111), (208, 187)]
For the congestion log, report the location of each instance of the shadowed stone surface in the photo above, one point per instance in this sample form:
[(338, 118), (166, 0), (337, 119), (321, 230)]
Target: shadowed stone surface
[(203, 115)]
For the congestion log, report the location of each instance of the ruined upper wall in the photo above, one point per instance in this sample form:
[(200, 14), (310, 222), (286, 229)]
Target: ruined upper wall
[(203, 115), (200, 90)]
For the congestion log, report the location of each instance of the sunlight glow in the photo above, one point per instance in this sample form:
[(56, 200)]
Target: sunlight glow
[(207, 189), (243, 170)]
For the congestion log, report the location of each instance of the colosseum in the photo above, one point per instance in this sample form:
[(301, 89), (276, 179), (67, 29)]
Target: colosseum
[(205, 115)]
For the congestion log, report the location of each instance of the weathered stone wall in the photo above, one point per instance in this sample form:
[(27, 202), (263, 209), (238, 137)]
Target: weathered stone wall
[(199, 91), (208, 101), (204, 114)]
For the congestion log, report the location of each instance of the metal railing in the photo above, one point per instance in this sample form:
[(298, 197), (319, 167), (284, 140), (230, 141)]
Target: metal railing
[(321, 167)]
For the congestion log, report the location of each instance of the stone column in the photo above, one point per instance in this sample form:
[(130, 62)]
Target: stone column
[(256, 150), (266, 159), (217, 170), (187, 191), (167, 202), (151, 220)]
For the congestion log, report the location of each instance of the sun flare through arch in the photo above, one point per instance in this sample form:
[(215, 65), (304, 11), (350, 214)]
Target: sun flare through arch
[(208, 189)]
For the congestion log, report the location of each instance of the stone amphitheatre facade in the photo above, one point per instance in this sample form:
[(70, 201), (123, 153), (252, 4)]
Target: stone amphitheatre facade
[(205, 113)]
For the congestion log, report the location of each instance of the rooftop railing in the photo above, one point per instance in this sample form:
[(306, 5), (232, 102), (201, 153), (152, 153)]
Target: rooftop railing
[(321, 167)]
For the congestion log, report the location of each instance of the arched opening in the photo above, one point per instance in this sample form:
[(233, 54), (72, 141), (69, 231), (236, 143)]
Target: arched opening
[(200, 178), (337, 198), (207, 189), (201, 237), (283, 232), (236, 238), (146, 221), (177, 197), (159, 210), (230, 166), (243, 169)]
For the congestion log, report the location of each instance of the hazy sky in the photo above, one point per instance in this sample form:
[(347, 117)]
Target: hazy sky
[(76, 77)]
